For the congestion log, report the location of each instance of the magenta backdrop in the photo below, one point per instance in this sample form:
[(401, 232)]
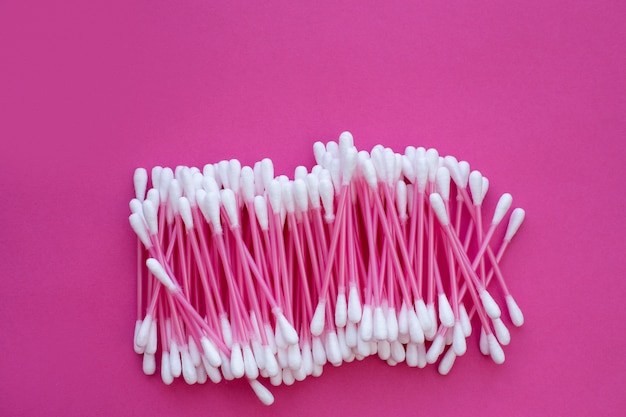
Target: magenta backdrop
[(532, 93)]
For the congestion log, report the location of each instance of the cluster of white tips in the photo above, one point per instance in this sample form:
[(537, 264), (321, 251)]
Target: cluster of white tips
[(244, 274)]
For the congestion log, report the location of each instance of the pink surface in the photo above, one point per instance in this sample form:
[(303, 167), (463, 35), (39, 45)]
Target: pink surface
[(531, 93)]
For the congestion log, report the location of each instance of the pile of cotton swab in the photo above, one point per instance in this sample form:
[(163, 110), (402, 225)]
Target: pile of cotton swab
[(243, 274)]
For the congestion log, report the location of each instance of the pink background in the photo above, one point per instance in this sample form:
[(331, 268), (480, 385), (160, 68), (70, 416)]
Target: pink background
[(532, 93)]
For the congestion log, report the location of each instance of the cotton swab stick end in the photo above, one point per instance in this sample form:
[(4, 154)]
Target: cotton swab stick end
[(288, 332), (140, 182), (501, 208), (447, 362), (459, 344), (149, 364), (159, 272), (436, 202), (495, 350), (317, 322), (476, 187), (210, 352), (341, 310), (260, 209), (517, 317), (263, 394), (502, 333), (354, 305), (446, 316), (491, 307), (517, 217)]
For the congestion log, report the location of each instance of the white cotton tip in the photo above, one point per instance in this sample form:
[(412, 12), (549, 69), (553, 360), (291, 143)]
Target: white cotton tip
[(352, 334), (421, 174), (294, 357), (485, 187), (166, 372), (260, 208), (151, 217), (465, 321), (277, 379), (288, 377), (362, 348), (491, 307), (319, 150), (516, 220), (236, 361), (443, 183), (201, 374), (210, 352), (346, 352), (408, 169), (300, 195), (234, 174), (403, 320), (259, 354), (143, 334), (319, 353), (436, 202), (300, 374), (226, 371), (380, 324), (287, 196), (401, 201), (349, 165), (155, 175), (175, 192), (212, 208), (317, 370), (501, 208), (222, 173), (369, 172), (259, 185), (391, 323), (210, 185), (411, 355), (159, 272), (185, 212), (452, 164), (227, 332), (271, 366), (167, 175), (247, 184), (502, 333), (149, 363), (194, 352), (250, 366), (327, 193), (267, 171), (313, 189), (317, 322), (335, 174), (432, 160), (274, 192), (446, 316), (286, 329), (139, 227), (354, 305), (495, 350), (435, 350), (384, 350), (483, 342), (230, 204), (459, 344), (140, 183), (307, 358), (176, 365), (447, 362), (346, 141), (138, 349), (365, 328), (423, 315), (189, 370), (389, 159), (135, 206), (263, 394), (280, 341), (152, 345), (476, 187), (208, 170), (517, 317), (332, 148), (464, 171), (333, 351), (416, 333), (153, 196), (341, 309)]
